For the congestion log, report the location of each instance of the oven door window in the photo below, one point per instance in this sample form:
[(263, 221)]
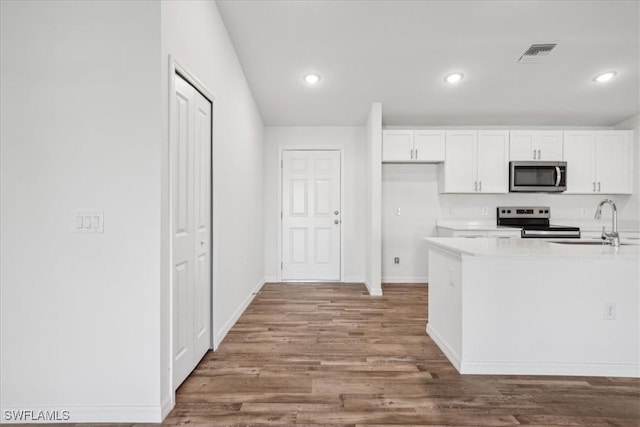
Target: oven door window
[(535, 176)]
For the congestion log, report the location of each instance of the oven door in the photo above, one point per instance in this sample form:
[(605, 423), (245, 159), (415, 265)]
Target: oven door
[(545, 177)]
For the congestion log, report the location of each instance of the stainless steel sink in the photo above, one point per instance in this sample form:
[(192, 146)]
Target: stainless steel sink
[(587, 242)]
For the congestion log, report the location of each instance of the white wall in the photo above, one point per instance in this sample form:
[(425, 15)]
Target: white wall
[(373, 194), (352, 141), (631, 209), (80, 117), (85, 86), (194, 33), (414, 189)]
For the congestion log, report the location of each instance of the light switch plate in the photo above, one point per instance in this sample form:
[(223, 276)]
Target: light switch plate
[(88, 221)]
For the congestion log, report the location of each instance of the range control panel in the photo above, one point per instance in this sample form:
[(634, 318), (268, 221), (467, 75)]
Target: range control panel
[(523, 212)]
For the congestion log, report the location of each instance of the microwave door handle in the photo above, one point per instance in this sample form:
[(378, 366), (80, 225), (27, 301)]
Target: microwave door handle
[(559, 176)]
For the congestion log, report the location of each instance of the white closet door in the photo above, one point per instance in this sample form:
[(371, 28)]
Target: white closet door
[(190, 227), (311, 215)]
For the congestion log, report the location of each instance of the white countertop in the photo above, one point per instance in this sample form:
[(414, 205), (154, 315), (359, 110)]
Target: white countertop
[(596, 225), (495, 247), (583, 224), (471, 225)]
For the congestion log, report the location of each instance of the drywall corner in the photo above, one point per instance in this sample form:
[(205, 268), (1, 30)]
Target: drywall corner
[(373, 194)]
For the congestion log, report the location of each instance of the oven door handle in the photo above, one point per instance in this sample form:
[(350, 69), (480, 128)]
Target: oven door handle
[(559, 176)]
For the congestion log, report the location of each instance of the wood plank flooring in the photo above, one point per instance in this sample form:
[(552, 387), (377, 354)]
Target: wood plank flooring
[(329, 354)]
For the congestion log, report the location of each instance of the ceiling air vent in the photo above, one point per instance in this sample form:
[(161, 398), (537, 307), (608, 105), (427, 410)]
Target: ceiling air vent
[(536, 52)]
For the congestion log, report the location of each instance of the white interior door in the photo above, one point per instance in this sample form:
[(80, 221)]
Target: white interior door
[(311, 215), (190, 227)]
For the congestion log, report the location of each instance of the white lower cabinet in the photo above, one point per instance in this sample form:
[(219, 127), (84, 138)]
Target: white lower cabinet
[(476, 162), (470, 233), (599, 162)]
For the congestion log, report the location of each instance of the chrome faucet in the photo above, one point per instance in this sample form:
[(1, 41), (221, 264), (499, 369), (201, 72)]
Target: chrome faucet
[(612, 238)]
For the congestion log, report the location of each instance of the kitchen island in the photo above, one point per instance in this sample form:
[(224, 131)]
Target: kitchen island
[(529, 306)]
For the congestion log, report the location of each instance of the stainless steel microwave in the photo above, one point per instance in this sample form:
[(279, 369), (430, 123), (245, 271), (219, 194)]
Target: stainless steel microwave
[(540, 177)]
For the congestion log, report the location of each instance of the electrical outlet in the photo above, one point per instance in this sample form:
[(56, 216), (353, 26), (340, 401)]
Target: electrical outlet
[(398, 212), (610, 311), (396, 260), (485, 211)]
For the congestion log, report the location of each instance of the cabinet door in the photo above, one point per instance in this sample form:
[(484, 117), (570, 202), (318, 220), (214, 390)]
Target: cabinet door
[(460, 172), (503, 234), (397, 145), (548, 145), (493, 161), (469, 234), (429, 145), (521, 145), (613, 162), (578, 153)]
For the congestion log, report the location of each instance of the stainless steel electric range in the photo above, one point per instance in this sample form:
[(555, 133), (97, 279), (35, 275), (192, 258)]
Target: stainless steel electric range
[(535, 222)]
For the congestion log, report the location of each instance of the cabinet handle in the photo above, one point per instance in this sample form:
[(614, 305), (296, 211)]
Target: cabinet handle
[(416, 154), (475, 185), (412, 154), (534, 154), (598, 186), (480, 186), (594, 186), (539, 154)]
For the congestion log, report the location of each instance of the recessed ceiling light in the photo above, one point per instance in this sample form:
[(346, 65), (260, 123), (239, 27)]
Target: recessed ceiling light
[(312, 79), (604, 77), (453, 78)]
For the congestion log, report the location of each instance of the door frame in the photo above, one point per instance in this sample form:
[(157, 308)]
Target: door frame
[(343, 224), (177, 67)]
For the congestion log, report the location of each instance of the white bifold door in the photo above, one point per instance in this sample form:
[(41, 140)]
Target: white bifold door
[(190, 227), (311, 215)]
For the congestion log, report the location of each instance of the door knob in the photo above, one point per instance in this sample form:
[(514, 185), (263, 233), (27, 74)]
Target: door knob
[(336, 212), (202, 243), (336, 222)]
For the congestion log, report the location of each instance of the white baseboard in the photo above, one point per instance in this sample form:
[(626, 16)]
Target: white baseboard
[(543, 368), (166, 406), (451, 354), (81, 414), (347, 279), (224, 330), (501, 367), (403, 279), (376, 292)]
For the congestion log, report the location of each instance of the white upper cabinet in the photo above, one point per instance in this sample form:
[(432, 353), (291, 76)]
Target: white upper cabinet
[(460, 166), (397, 145), (599, 162), (429, 145), (535, 145), (579, 148), (476, 162), (408, 146), (493, 161)]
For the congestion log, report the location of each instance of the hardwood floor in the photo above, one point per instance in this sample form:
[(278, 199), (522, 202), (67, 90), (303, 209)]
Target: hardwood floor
[(331, 354)]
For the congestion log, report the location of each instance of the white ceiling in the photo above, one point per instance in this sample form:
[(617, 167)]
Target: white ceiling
[(398, 53)]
